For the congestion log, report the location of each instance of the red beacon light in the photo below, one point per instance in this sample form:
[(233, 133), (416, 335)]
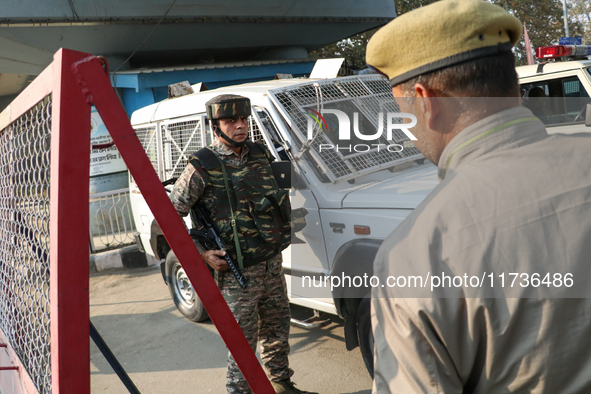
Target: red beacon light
[(555, 51)]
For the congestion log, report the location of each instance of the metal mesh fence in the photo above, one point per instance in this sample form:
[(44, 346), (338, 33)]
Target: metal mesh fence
[(24, 240), (111, 219), (369, 97)]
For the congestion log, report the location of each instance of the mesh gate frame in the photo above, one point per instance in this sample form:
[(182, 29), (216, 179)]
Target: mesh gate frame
[(76, 80), (24, 241), (68, 244)]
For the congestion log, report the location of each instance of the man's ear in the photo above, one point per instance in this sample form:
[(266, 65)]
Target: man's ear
[(428, 104), (215, 124)]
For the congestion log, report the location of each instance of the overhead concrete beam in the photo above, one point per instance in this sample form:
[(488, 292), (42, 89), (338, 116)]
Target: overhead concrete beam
[(20, 58), (12, 83)]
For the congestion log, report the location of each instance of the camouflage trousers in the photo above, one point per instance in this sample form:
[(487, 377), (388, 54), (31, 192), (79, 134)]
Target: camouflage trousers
[(262, 311)]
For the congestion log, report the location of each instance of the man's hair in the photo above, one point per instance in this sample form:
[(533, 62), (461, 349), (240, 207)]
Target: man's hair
[(491, 76)]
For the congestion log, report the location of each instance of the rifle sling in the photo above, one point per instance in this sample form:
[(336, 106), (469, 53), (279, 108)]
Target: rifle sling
[(233, 220)]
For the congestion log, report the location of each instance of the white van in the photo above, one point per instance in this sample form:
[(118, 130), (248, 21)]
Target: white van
[(354, 195), (559, 92)]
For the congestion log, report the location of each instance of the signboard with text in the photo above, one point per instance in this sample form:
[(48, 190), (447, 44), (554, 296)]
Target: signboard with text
[(103, 161), (107, 169)]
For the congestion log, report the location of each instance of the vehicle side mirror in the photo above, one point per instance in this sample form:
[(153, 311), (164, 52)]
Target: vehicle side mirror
[(285, 175), (588, 115)]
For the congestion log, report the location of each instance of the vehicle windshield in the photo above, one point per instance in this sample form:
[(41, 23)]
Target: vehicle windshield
[(337, 121)]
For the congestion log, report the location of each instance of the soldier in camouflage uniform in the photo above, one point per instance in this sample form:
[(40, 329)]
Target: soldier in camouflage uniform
[(261, 211)]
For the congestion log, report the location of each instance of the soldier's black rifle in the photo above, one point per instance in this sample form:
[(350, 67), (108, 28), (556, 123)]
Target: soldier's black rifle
[(210, 239)]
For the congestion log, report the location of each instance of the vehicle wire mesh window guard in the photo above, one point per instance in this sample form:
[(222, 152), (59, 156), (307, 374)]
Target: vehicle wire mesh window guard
[(368, 96), (180, 140), (24, 240), (147, 136)]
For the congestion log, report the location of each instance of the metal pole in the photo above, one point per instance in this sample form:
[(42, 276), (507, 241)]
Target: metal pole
[(565, 11), (68, 289), (112, 360)]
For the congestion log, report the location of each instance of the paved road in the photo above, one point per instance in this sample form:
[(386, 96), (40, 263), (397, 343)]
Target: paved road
[(165, 353)]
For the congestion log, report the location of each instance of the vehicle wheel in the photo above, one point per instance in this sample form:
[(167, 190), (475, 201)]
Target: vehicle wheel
[(365, 334), (182, 292)]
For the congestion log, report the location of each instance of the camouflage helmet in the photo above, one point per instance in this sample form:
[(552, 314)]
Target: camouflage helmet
[(227, 106)]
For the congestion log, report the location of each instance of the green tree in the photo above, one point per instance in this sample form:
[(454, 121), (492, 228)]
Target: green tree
[(544, 22), (403, 6), (580, 11), (353, 48), (543, 18)]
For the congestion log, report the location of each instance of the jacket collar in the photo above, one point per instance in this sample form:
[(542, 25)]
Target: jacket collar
[(509, 127), (223, 149)]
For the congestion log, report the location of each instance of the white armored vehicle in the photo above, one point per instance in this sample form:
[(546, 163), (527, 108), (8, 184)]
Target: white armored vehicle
[(355, 191), (558, 90)]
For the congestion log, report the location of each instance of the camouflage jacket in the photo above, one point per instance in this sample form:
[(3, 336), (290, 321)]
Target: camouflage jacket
[(261, 209)]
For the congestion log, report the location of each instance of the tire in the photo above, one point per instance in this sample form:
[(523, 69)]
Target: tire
[(365, 333), (182, 292)]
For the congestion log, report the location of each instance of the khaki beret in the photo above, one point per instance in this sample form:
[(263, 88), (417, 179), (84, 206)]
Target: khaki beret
[(440, 35)]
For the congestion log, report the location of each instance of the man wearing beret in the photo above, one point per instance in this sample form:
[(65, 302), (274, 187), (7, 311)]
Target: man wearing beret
[(511, 200)]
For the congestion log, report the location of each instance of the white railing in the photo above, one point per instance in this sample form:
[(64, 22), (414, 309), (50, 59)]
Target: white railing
[(111, 220)]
